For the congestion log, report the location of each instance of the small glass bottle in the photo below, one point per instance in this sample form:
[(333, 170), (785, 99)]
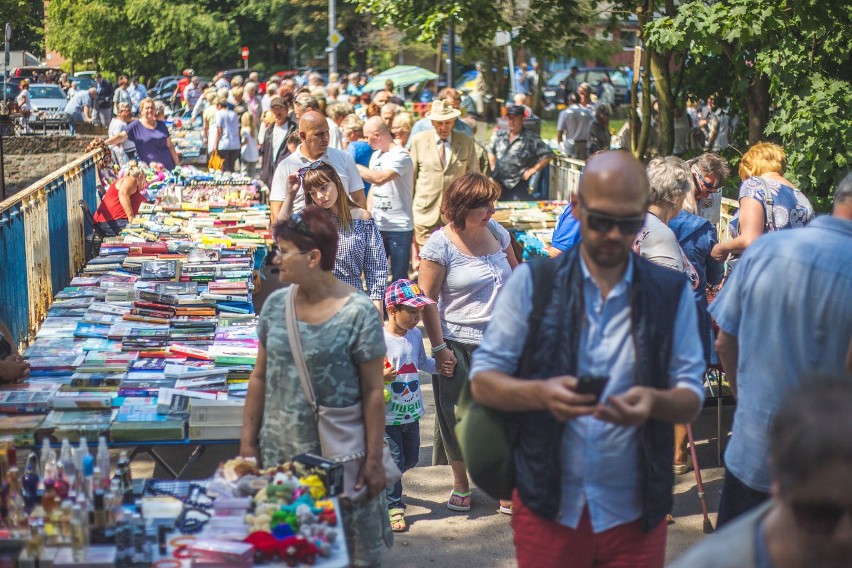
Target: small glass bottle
[(78, 543)]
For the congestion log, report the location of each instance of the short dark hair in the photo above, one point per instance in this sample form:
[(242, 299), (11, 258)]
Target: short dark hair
[(465, 193), (323, 236), (812, 428), (712, 164)]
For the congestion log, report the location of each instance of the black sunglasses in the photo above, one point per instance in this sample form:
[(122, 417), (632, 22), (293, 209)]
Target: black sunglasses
[(603, 223), (819, 518), (309, 168), (399, 388), (297, 223)]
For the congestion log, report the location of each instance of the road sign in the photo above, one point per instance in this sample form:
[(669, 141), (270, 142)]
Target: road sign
[(245, 53), (335, 38)]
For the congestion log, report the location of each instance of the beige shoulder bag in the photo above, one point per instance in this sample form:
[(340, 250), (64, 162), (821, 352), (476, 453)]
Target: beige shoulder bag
[(342, 433)]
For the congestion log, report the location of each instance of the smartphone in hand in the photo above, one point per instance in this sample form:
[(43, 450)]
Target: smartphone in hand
[(591, 385)]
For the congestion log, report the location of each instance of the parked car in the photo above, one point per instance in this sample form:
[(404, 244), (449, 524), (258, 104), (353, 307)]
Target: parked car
[(31, 72), (554, 90), (10, 95), (162, 84), (84, 82), (47, 98)]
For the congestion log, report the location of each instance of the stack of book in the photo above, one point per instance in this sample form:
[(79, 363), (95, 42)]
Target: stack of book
[(161, 319)]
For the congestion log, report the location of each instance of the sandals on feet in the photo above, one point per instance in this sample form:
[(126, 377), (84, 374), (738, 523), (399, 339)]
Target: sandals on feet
[(459, 501), (506, 510), (397, 520)]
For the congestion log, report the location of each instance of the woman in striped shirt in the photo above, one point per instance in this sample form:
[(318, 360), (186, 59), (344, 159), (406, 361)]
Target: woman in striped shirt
[(361, 255)]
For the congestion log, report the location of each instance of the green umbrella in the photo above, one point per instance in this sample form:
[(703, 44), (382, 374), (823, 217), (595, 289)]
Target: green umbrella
[(401, 75)]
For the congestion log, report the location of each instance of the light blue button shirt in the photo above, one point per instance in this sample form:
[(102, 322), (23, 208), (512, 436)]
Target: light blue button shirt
[(789, 302), (600, 460)]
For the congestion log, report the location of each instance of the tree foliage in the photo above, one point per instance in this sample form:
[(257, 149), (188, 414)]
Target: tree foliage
[(800, 52), (140, 36), (544, 26), (26, 17)]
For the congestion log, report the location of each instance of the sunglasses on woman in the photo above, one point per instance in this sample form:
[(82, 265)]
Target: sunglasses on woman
[(309, 168), (603, 222), (297, 223), (703, 184)]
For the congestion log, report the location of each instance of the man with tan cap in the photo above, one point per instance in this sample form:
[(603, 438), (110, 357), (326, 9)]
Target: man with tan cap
[(439, 156)]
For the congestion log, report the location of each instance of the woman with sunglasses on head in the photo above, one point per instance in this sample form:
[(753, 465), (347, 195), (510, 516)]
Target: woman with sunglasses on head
[(464, 266), (361, 253), (768, 201), (344, 348)]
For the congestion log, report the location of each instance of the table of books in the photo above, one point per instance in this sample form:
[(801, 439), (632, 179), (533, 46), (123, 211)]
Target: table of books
[(531, 222), (153, 343)]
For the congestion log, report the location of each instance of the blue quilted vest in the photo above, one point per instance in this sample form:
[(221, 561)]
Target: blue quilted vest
[(654, 298)]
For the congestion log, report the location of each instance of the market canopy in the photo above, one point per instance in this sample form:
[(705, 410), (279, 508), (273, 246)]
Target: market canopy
[(401, 75)]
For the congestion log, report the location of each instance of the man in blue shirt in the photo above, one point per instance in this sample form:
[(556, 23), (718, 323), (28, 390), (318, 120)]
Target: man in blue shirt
[(787, 308), (594, 477), (808, 521), (566, 234)]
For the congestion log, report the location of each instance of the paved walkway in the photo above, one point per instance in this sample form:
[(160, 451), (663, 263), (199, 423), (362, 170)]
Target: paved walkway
[(483, 537)]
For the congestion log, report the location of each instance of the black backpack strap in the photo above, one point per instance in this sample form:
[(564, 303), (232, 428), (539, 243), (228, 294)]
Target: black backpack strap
[(543, 274)]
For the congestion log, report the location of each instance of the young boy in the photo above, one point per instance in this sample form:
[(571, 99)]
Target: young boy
[(405, 302)]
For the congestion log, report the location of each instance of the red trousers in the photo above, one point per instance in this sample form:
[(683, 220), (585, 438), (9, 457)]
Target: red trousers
[(540, 543)]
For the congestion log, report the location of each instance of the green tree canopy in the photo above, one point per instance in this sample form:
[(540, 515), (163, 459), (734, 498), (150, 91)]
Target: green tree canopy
[(792, 68), (140, 36), (26, 17)]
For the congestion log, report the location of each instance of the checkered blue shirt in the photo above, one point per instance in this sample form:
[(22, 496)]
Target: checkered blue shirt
[(360, 251)]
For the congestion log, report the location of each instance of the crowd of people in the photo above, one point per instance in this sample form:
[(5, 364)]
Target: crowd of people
[(378, 216)]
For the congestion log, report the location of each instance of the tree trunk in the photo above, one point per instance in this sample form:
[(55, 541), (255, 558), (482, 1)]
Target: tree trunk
[(757, 103), (665, 99), (640, 147), (537, 102)]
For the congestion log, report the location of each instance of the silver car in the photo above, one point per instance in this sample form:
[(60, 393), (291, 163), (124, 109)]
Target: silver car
[(47, 99)]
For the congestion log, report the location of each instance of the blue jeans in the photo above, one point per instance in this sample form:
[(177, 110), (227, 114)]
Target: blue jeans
[(404, 443), (398, 248)]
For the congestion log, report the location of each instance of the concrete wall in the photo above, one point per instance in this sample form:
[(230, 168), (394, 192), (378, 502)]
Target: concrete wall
[(27, 159)]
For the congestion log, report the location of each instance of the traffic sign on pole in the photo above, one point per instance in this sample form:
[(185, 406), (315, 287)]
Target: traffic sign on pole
[(245, 53), (335, 38)]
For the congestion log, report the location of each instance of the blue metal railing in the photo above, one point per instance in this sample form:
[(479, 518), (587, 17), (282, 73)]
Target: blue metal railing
[(42, 242)]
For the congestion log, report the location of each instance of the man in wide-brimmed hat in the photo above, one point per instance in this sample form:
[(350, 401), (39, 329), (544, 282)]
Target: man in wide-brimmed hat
[(439, 156)]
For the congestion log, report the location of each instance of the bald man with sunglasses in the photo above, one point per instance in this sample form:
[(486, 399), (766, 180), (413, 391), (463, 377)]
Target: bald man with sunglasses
[(614, 362)]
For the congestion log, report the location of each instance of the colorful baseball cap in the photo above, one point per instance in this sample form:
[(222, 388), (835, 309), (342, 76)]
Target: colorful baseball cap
[(406, 293)]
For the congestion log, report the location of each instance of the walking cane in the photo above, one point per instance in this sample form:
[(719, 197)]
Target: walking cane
[(708, 526)]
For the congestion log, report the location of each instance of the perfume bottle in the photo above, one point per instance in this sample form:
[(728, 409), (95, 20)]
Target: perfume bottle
[(78, 543), (17, 515), (48, 460), (30, 481), (102, 460), (60, 484)]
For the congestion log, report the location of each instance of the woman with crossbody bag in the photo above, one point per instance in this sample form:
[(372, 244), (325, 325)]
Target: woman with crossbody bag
[(768, 201), (321, 356)]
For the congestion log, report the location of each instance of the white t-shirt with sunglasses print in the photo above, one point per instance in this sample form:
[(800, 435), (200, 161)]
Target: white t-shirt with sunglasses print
[(341, 161), (407, 356)]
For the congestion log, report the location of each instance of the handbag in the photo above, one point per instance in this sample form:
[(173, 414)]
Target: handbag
[(342, 433), (487, 437), (768, 209), (216, 161)]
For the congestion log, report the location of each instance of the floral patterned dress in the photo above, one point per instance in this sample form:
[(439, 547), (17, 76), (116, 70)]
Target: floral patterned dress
[(333, 350)]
